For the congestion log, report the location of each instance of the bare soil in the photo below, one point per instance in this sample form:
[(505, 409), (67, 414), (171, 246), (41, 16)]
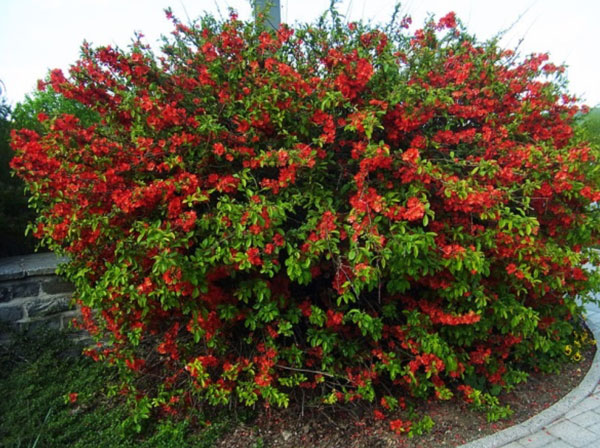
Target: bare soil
[(455, 423)]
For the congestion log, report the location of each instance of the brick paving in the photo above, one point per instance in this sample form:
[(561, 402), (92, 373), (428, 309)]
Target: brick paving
[(574, 423)]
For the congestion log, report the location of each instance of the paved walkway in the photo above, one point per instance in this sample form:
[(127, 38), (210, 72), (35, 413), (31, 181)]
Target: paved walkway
[(573, 422)]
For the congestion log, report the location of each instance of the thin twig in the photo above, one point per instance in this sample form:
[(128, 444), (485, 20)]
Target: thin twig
[(305, 370)]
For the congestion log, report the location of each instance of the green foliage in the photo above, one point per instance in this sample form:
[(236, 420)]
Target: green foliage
[(14, 213), (47, 101), (4, 140), (590, 125), (39, 371)]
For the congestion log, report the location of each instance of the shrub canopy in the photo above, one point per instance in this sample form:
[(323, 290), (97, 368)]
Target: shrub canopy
[(367, 214)]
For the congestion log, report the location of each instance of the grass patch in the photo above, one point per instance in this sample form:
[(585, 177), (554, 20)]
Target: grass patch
[(37, 372)]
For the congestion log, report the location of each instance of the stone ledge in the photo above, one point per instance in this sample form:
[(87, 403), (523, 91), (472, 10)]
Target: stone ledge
[(56, 285), (68, 316), (11, 312), (15, 289), (54, 322), (47, 306), (13, 268)]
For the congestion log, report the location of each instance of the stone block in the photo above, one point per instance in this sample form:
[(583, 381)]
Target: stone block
[(57, 285), (17, 289), (26, 288), (40, 323), (11, 313), (48, 306), (83, 339), (6, 292)]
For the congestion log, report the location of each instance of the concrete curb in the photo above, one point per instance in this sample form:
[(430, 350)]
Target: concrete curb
[(560, 408)]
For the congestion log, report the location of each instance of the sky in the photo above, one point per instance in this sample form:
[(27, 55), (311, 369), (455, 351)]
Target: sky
[(39, 35)]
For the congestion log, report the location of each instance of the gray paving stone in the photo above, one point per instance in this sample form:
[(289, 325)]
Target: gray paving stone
[(595, 444), (592, 402), (559, 444), (513, 445), (574, 435), (587, 418), (595, 428), (537, 440)]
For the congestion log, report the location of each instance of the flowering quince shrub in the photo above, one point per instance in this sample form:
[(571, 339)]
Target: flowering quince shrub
[(365, 215)]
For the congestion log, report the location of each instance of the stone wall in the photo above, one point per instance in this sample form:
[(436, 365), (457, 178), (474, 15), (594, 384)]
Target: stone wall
[(32, 295)]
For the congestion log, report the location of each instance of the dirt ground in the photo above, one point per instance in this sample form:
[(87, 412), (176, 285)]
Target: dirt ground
[(455, 423)]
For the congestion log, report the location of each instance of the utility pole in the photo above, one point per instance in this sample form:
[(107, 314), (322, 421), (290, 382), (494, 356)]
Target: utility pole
[(272, 11)]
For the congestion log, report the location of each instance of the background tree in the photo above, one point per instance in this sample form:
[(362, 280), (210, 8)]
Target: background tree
[(14, 213), (590, 125), (51, 103)]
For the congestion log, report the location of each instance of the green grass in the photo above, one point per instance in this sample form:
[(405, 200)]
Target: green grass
[(38, 371)]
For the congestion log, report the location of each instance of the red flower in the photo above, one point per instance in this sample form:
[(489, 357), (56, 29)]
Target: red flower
[(399, 426), (378, 415), (278, 240), (73, 397), (305, 307), (411, 155), (448, 21), (327, 224), (253, 256), (136, 364), (467, 392), (219, 149), (480, 356), (334, 318), (146, 287), (414, 209), (208, 361)]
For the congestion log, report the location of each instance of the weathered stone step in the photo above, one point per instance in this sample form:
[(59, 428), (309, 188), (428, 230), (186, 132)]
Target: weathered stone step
[(32, 295)]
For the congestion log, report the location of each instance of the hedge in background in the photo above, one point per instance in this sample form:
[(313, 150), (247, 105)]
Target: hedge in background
[(364, 214)]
